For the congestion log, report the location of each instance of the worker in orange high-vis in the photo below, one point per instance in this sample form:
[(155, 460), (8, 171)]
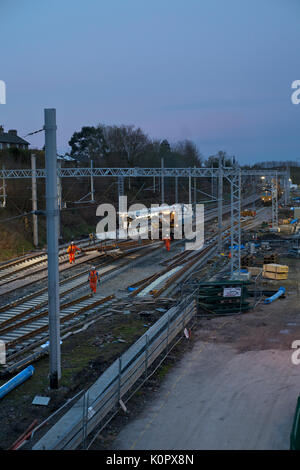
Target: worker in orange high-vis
[(167, 241), (93, 279), (71, 251)]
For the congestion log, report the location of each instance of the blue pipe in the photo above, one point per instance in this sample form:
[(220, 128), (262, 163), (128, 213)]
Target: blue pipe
[(293, 221), (15, 381), (280, 292)]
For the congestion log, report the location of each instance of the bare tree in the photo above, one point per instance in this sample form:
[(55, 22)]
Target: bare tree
[(188, 150), (127, 141)]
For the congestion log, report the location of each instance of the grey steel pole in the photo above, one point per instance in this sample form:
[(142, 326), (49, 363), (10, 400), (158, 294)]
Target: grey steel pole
[(190, 189), (4, 189), (120, 186), (59, 191), (195, 192), (176, 189), (34, 201), (275, 201), (92, 184), (162, 182), (288, 185), (52, 247), (59, 199), (220, 205)]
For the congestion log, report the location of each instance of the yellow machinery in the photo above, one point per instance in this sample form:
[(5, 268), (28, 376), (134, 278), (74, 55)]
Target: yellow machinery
[(266, 197), (248, 213)]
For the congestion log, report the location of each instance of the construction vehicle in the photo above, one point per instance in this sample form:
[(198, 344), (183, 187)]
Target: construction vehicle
[(248, 213), (266, 197), (170, 217)]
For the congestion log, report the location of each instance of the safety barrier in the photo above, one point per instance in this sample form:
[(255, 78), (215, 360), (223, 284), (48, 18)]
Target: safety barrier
[(295, 434), (103, 399)]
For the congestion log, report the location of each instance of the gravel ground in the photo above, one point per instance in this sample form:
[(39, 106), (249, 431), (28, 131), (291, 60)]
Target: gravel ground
[(216, 398), (235, 389)]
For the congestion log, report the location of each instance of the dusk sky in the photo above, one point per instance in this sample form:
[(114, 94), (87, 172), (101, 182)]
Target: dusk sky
[(214, 71)]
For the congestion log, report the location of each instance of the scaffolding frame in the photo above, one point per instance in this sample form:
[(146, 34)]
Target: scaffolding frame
[(275, 201), (234, 179)]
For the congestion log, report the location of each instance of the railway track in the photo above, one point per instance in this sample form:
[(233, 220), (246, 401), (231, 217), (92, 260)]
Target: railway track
[(17, 310), (36, 273), (22, 333), (19, 269), (182, 263), (31, 266), (24, 323)]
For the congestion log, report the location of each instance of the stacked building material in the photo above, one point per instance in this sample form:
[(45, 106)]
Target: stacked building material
[(247, 260), (271, 258), (275, 271), (254, 270), (287, 229)]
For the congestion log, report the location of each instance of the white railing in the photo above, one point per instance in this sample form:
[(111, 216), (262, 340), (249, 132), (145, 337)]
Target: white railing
[(114, 386)]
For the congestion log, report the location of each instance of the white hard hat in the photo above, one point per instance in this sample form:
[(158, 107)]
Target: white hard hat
[(93, 268)]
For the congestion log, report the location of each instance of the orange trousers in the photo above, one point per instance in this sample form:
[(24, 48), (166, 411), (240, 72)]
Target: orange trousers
[(72, 258), (167, 244), (93, 286)]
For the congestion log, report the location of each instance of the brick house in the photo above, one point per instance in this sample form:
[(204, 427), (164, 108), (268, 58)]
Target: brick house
[(11, 139)]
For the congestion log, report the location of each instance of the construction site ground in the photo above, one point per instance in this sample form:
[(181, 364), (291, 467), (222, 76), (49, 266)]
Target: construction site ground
[(87, 354), (234, 387)]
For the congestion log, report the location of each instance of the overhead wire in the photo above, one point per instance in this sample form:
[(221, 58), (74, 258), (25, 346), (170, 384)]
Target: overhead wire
[(16, 217), (34, 132)]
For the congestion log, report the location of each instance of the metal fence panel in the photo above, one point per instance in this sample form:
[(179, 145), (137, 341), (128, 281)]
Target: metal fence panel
[(117, 380)]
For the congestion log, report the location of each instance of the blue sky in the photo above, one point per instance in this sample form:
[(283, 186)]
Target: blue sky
[(214, 71)]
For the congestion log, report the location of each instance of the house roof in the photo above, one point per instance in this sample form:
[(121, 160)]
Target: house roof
[(7, 138)]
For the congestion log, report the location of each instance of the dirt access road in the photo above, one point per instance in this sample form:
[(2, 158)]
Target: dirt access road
[(219, 399), (235, 389)]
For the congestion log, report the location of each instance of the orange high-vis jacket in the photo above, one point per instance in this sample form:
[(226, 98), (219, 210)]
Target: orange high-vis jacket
[(93, 276), (72, 249)]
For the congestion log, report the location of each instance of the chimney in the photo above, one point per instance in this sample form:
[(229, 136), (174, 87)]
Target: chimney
[(12, 132)]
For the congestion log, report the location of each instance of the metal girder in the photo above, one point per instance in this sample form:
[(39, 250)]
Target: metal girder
[(3, 195), (287, 186), (235, 229), (120, 186), (138, 172), (275, 202), (220, 205)]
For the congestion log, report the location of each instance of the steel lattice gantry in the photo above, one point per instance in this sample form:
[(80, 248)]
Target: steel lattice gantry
[(235, 223), (275, 201), (287, 186), (232, 174), (120, 186), (139, 172)]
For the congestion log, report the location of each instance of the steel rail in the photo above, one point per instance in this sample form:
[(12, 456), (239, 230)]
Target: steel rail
[(12, 313), (66, 315), (17, 333)]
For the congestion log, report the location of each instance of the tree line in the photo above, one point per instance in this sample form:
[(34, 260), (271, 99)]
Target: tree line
[(129, 146)]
